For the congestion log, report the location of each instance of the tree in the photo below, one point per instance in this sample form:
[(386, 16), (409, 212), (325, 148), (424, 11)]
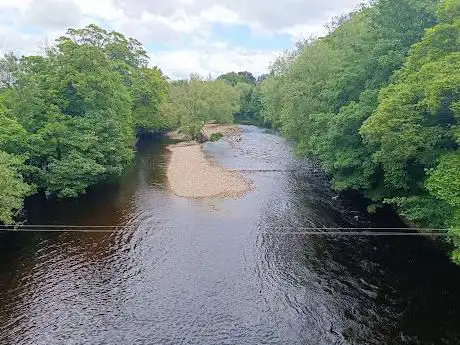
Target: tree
[(376, 102), (320, 93), (414, 131), (241, 77), (249, 105), (149, 90), (13, 190), (194, 102), (262, 77), (68, 118), (116, 46), (73, 104), (8, 67)]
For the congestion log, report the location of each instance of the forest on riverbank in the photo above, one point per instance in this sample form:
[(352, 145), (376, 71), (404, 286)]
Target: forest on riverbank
[(376, 102)]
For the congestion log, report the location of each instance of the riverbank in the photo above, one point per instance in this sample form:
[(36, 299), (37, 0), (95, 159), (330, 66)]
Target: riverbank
[(208, 130), (226, 130), (190, 174)]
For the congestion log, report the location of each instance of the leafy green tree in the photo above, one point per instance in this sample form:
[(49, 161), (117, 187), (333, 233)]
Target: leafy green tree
[(194, 102), (234, 78), (250, 106), (68, 118), (13, 189), (114, 44), (320, 93), (272, 99), (148, 86), (149, 90), (222, 101), (262, 77), (414, 132), (73, 103)]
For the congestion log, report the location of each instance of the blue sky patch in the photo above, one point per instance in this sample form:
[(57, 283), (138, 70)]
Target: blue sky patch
[(243, 36)]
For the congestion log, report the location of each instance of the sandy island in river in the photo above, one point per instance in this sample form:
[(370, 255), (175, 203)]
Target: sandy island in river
[(191, 175)]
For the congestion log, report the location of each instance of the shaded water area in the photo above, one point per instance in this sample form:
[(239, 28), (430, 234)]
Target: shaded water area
[(222, 271)]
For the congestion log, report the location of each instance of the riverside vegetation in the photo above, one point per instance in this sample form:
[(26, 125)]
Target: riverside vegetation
[(376, 102)]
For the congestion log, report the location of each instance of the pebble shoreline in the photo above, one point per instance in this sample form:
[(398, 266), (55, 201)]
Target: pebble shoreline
[(191, 175)]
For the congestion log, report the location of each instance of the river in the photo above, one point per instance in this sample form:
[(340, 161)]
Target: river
[(222, 271)]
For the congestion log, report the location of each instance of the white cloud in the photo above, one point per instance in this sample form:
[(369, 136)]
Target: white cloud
[(151, 28), (105, 9), (300, 31), (18, 4), (52, 14), (219, 14), (14, 41), (272, 15), (180, 63), (184, 26)]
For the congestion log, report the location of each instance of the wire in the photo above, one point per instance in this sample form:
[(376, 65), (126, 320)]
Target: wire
[(278, 227), (315, 231), (361, 233)]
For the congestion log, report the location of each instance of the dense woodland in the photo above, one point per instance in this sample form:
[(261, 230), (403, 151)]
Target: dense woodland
[(376, 102)]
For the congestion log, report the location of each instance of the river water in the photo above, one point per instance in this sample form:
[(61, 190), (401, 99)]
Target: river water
[(222, 271)]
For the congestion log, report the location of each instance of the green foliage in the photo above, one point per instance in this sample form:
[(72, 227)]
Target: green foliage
[(71, 115), (80, 108), (72, 174), (149, 90), (147, 86), (116, 46), (250, 105), (272, 96), (444, 181), (414, 132), (195, 102), (321, 93), (241, 77), (13, 190), (216, 136), (448, 11)]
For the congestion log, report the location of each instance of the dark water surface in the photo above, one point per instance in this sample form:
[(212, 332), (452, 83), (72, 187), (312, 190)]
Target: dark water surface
[(222, 271)]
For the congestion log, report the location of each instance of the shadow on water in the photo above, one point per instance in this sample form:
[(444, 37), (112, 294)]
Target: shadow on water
[(373, 290), (106, 204), (222, 271)]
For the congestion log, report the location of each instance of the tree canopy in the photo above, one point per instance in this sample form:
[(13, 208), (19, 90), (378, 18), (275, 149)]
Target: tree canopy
[(414, 134), (194, 102), (69, 117), (234, 78)]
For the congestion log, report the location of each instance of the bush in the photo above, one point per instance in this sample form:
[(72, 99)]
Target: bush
[(216, 136)]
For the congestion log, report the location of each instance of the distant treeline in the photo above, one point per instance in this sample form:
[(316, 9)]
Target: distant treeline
[(377, 103)]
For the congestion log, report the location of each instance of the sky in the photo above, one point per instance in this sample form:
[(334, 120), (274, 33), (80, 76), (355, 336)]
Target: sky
[(181, 36)]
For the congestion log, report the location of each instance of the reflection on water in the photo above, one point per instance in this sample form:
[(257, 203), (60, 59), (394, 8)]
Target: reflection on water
[(221, 271)]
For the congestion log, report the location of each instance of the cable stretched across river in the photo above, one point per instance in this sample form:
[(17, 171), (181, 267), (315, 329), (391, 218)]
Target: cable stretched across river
[(314, 231)]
